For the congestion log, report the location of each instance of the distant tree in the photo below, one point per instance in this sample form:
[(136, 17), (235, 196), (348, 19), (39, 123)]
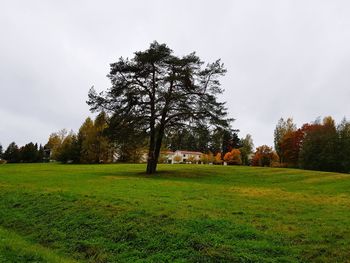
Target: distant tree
[(1, 151), (55, 142), (12, 154), (282, 128), (163, 158), (191, 159), (215, 140), (70, 149), (230, 141), (103, 146), (192, 138), (233, 157), (125, 139), (246, 149), (204, 158), (218, 159), (156, 92), (343, 154), (87, 140), (211, 158), (319, 149), (290, 145), (177, 158), (41, 154), (263, 156), (29, 153)]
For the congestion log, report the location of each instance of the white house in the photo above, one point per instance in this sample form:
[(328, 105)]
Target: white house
[(180, 156)]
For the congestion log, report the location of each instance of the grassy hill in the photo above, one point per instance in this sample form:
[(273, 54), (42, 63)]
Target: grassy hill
[(187, 213)]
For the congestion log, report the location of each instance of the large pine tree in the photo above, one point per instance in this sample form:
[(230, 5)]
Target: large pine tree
[(156, 91)]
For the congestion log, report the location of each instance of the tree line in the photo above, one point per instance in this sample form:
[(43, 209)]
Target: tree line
[(29, 153), (319, 145), (98, 141)]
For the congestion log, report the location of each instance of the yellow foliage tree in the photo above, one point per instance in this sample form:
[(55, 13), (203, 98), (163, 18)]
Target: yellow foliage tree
[(177, 158), (204, 158), (218, 159), (191, 159)]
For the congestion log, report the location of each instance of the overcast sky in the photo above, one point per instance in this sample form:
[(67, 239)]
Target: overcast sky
[(284, 58)]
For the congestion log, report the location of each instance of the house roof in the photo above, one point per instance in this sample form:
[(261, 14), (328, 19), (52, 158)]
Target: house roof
[(189, 152)]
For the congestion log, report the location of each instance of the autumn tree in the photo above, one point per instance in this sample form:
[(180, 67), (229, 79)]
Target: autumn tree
[(55, 142), (291, 144), (177, 158), (157, 91), (87, 141), (233, 157), (282, 128), (191, 159), (204, 158), (218, 159), (211, 158), (263, 156)]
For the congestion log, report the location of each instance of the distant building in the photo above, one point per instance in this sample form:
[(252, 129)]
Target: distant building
[(181, 156)]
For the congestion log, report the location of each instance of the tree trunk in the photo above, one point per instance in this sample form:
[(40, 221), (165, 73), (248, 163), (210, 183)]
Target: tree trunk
[(151, 156), (151, 166), (150, 159), (157, 147)]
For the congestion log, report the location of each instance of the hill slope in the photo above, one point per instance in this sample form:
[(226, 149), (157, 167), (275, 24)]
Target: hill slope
[(187, 213)]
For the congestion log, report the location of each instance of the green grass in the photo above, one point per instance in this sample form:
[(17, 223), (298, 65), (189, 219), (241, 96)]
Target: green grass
[(186, 213)]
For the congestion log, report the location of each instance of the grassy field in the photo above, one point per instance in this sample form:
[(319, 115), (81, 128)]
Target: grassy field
[(186, 213)]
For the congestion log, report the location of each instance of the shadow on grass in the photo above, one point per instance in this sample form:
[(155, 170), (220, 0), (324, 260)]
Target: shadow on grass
[(182, 174)]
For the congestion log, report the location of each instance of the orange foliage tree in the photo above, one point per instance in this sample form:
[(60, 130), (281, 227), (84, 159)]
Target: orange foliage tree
[(233, 157)]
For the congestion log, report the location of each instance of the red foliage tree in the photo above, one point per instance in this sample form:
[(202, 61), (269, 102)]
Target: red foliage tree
[(263, 156), (290, 146)]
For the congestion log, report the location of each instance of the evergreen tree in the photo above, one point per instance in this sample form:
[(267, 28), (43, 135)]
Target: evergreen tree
[(319, 147), (343, 158), (104, 149), (156, 91), (29, 153), (230, 141), (126, 140), (12, 155), (69, 149), (41, 154)]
